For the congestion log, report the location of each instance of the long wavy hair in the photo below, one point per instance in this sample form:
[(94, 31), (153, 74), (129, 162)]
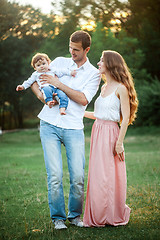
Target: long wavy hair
[(119, 70)]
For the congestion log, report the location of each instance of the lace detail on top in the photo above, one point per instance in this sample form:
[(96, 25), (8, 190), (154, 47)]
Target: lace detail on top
[(107, 108)]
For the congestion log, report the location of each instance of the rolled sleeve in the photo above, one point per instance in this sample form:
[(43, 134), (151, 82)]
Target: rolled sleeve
[(91, 87)]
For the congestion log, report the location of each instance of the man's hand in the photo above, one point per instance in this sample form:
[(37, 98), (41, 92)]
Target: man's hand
[(74, 95), (46, 78), (55, 100)]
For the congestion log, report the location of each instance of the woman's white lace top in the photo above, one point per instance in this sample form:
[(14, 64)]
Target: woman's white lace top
[(107, 108)]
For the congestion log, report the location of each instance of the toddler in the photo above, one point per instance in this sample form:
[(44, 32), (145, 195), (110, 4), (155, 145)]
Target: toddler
[(40, 62)]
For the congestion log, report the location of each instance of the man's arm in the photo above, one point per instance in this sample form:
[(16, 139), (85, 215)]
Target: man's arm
[(39, 95), (74, 95), (37, 92)]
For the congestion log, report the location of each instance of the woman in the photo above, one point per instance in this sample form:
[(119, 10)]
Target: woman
[(117, 103)]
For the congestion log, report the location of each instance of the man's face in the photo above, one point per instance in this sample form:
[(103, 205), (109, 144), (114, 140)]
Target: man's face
[(42, 65), (77, 52)]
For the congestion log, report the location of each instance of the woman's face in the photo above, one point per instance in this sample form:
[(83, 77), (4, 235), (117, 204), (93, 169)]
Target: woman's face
[(101, 65)]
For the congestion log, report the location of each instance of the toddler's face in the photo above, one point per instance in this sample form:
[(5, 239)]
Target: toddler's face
[(42, 65)]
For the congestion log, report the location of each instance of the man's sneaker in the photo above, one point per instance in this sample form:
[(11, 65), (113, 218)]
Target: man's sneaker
[(77, 222), (59, 224)]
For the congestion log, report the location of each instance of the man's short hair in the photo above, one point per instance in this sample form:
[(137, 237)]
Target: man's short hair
[(81, 36)]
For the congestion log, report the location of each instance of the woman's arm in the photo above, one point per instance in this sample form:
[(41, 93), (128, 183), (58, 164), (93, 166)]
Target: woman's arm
[(89, 115), (125, 110)]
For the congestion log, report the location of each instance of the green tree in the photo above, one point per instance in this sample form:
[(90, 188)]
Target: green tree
[(128, 47), (140, 19), (143, 23), (13, 71), (20, 39), (149, 99), (8, 17)]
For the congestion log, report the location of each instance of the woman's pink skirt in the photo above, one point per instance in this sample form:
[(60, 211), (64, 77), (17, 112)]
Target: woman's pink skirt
[(106, 189)]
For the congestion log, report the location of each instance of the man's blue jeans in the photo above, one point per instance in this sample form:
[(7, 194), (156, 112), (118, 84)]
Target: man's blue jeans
[(52, 137), (48, 95)]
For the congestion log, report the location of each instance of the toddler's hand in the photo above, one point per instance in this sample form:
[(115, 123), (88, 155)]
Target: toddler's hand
[(73, 73), (19, 88)]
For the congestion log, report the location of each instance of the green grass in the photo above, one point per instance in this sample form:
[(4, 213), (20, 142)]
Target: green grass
[(24, 212)]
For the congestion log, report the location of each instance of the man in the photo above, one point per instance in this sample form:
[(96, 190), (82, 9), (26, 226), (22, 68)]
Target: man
[(56, 129)]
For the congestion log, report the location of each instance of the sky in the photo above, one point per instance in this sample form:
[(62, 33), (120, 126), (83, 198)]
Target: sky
[(44, 5)]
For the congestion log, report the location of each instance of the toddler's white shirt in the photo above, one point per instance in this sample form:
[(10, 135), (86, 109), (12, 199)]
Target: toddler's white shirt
[(35, 76)]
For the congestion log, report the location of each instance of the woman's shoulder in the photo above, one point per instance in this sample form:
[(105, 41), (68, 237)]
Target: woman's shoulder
[(121, 90)]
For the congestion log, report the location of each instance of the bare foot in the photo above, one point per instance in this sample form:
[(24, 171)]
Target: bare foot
[(62, 111)]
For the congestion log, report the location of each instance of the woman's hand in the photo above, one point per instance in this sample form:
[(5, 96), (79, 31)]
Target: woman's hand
[(120, 151), (46, 78)]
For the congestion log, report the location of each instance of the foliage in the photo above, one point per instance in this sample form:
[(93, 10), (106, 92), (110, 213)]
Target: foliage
[(139, 19), (24, 205), (56, 47), (22, 21), (129, 27), (8, 17), (19, 39), (128, 47), (143, 23), (149, 99), (84, 10), (103, 39), (10, 75), (13, 71)]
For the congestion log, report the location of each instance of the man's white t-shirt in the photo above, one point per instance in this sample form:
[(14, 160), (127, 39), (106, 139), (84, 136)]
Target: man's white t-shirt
[(87, 80)]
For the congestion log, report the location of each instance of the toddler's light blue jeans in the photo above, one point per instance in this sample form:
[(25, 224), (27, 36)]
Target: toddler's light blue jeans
[(48, 95), (52, 137)]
